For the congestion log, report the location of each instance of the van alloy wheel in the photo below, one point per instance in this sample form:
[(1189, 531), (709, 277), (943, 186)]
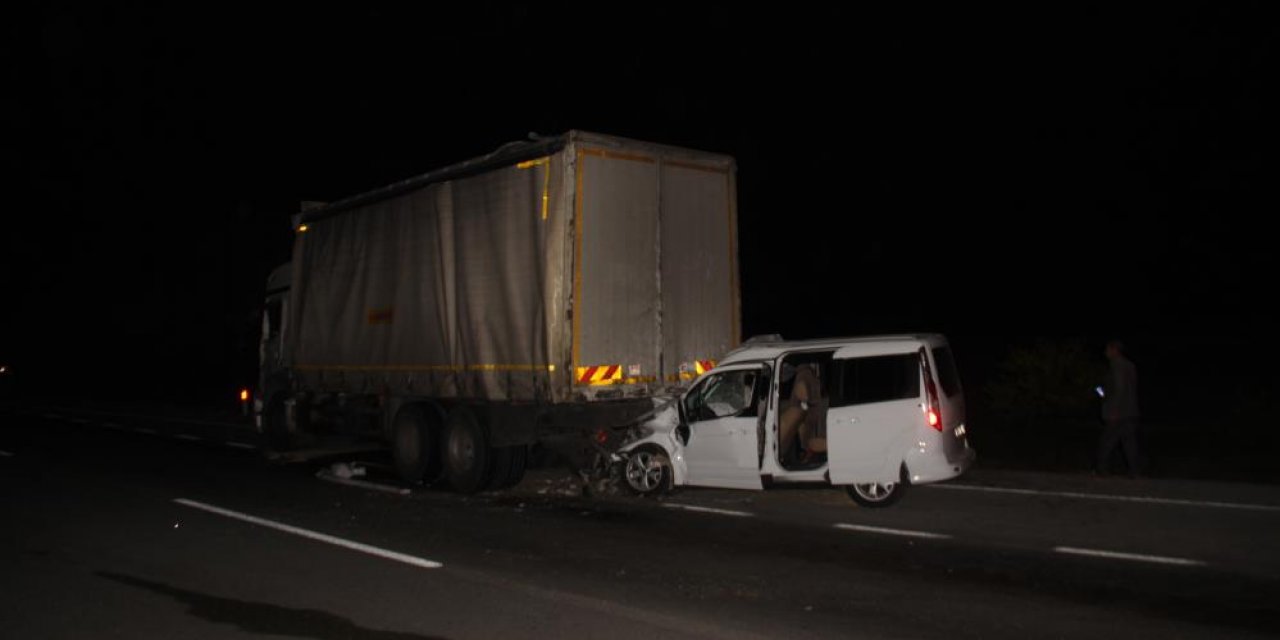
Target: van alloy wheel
[(646, 471), (875, 491), (876, 494)]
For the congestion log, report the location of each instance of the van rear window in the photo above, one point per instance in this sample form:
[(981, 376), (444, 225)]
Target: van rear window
[(948, 376), (877, 379)]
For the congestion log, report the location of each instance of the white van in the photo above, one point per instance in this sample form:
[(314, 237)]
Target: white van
[(872, 414)]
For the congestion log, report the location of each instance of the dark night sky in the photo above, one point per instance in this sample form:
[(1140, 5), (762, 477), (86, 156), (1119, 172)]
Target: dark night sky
[(992, 175)]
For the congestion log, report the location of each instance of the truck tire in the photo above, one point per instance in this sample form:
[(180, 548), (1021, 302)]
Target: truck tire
[(415, 446), (466, 452), (275, 426), (508, 466)]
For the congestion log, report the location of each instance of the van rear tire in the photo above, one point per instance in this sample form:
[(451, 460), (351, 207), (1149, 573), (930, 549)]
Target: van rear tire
[(876, 495)]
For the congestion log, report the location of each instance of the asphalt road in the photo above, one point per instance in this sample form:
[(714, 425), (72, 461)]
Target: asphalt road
[(131, 527)]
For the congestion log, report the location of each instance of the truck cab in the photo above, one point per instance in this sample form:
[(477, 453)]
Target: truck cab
[(273, 379)]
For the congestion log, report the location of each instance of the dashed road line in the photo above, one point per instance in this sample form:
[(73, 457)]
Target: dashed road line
[(892, 532), (723, 512), (150, 432), (240, 445), (313, 535), (138, 416), (187, 436), (1104, 496), (1138, 557)]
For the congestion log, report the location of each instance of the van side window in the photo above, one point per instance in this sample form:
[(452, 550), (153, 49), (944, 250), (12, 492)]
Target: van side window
[(877, 379), (945, 365)]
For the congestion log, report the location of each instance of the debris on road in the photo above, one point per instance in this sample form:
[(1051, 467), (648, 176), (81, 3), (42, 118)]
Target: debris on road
[(346, 470)]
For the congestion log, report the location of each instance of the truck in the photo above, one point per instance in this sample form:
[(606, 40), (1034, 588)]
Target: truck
[(541, 293)]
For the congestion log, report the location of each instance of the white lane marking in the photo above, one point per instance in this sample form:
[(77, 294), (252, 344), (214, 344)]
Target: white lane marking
[(1116, 555), (187, 436), (240, 445), (313, 535), (1105, 496), (208, 423), (723, 512), (892, 532), (325, 475), (150, 432), (134, 416), (637, 615), (5, 454)]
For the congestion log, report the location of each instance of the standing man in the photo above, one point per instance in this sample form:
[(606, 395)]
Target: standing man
[(1119, 411)]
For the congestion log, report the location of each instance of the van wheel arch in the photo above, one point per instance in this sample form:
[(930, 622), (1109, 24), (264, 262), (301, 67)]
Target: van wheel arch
[(877, 495)]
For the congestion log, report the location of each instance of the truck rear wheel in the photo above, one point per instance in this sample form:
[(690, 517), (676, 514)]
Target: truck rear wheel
[(415, 446), (508, 466), (466, 452)]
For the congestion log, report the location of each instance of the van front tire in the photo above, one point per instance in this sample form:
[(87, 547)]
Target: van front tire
[(648, 472)]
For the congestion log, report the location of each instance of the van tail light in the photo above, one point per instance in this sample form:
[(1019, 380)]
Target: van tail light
[(933, 412)]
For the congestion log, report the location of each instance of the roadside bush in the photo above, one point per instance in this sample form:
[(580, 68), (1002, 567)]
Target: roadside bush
[(1047, 380)]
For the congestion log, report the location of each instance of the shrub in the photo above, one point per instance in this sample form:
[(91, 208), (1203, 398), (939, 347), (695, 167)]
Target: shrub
[(1048, 380)]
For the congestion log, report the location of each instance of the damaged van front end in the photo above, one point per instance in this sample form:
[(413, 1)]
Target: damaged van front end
[(650, 459)]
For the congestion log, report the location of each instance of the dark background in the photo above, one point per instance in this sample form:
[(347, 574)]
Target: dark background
[(1007, 177)]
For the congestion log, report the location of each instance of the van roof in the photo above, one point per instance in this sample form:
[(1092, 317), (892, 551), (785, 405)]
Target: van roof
[(769, 348)]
